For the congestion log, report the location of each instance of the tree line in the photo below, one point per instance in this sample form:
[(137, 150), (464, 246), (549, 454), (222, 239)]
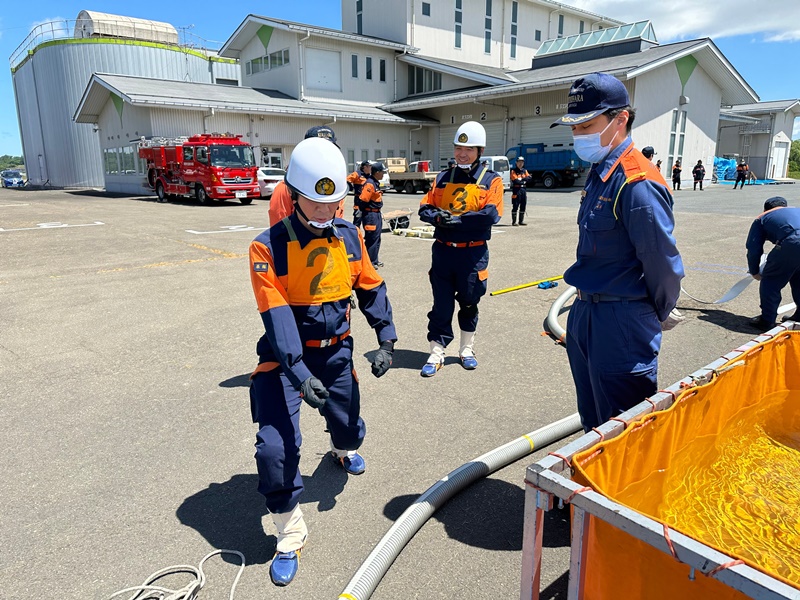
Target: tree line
[(9, 162), (794, 160)]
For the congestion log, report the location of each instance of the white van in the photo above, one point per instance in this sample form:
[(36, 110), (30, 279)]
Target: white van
[(499, 164)]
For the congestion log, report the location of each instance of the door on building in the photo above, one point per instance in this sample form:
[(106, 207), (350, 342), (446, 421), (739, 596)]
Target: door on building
[(271, 157), (779, 155)]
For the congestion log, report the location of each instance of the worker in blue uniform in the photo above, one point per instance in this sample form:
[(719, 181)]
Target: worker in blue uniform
[(780, 225), (303, 270), (371, 203), (628, 270), (519, 191), (463, 204)]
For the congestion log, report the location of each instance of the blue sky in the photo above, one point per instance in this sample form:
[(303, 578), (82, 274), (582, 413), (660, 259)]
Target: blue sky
[(763, 44)]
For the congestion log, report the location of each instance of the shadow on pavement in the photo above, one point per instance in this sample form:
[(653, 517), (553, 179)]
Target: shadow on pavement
[(242, 380), (229, 514), (556, 590), (724, 319), (403, 359), (489, 515)]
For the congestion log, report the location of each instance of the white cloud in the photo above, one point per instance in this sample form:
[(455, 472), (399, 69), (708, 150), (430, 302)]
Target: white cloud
[(771, 20), (53, 27)]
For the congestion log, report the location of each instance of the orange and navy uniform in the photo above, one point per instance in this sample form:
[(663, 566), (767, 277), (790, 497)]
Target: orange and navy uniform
[(519, 178), (474, 198), (302, 285), (281, 205), (371, 203), (460, 258), (357, 179)]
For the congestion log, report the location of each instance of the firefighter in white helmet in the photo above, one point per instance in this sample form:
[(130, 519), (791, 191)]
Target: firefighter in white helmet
[(303, 270), (464, 203)]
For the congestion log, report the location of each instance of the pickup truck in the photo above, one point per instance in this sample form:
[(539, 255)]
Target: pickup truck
[(551, 168), (409, 178)]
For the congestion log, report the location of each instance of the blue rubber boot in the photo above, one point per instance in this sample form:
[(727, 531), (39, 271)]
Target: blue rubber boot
[(284, 567), (353, 464), (435, 360), (469, 362)]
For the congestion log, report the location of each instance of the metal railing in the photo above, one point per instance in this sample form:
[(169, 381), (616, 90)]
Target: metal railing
[(125, 29)]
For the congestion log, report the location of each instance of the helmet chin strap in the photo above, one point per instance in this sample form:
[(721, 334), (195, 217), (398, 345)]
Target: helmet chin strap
[(475, 162), (327, 230)]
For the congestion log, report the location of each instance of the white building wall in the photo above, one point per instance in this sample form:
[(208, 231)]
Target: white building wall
[(285, 78), (656, 96), (354, 90), (118, 134)]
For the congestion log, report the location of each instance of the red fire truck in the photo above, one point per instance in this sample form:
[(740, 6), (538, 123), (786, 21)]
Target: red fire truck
[(209, 165)]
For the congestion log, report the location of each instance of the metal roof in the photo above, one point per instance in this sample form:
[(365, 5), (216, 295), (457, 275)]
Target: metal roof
[(140, 91), (767, 107), (479, 73), (642, 30), (735, 89), (558, 6), (252, 23)]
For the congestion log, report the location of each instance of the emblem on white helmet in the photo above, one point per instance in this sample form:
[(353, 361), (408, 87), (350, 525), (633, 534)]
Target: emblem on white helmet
[(317, 170), (470, 133)]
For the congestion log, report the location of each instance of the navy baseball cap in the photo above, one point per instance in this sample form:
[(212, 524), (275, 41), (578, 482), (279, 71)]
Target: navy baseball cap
[(322, 131), (648, 151), (591, 96)]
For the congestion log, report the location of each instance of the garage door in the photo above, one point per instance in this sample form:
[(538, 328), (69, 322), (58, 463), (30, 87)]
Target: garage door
[(494, 141), (536, 130)]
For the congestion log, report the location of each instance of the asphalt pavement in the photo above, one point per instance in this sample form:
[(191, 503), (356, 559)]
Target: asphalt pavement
[(128, 333)]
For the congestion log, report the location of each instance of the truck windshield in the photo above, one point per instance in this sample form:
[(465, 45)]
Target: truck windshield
[(232, 156), (500, 164)]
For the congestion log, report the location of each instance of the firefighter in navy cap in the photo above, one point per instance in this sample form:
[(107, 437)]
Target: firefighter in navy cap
[(303, 270), (280, 204), (463, 204), (628, 270), (780, 225), (519, 192), (648, 153), (371, 203), (357, 179)]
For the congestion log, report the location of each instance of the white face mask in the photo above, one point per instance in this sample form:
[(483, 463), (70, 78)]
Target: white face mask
[(589, 148), (321, 225)]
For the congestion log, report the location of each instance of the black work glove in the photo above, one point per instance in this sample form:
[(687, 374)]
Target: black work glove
[(356, 214), (443, 219), (313, 392), (383, 358)]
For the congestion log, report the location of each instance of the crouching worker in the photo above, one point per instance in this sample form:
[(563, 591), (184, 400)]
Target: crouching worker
[(303, 270)]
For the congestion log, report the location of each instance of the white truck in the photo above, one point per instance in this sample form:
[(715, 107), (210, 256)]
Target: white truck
[(412, 178)]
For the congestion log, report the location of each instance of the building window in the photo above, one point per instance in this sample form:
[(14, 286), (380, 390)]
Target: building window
[(560, 25), (537, 35), (351, 160), (276, 59), (377, 155), (514, 29), (487, 26), (581, 27), (390, 154), (458, 18), (364, 155), (359, 17), (421, 81), (676, 138), (426, 9), (354, 65), (382, 69), (369, 68)]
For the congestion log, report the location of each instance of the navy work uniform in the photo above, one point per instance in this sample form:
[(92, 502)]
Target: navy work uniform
[(628, 273), (519, 194), (371, 203), (357, 179), (302, 285), (460, 254), (781, 226)]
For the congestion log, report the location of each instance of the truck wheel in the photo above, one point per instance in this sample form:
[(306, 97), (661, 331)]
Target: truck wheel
[(200, 194), (408, 188), (162, 196), (152, 176), (246, 201), (549, 182)]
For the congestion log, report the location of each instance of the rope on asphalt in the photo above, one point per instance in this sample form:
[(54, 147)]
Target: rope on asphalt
[(148, 591)]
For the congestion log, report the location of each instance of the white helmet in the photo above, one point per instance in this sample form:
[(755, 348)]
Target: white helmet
[(317, 171), (470, 133)]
